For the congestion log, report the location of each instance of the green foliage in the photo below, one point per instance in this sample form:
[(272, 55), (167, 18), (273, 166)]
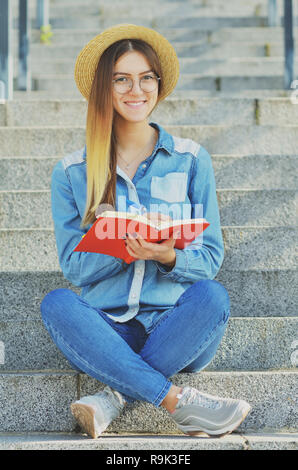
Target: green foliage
[(217, 84), (154, 24), (257, 112), (46, 34), (258, 10)]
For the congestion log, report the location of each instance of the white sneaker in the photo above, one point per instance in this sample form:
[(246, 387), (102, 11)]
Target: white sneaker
[(94, 413), (198, 412)]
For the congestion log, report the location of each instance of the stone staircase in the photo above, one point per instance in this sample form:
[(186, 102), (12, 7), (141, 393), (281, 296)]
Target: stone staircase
[(229, 98)]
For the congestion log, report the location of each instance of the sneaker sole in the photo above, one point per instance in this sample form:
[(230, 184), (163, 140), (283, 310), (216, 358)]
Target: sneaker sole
[(85, 415), (246, 408)]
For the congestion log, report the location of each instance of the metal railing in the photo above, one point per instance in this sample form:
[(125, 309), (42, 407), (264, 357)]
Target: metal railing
[(24, 74), (288, 44), (288, 25), (6, 54), (42, 13), (6, 66), (272, 13)]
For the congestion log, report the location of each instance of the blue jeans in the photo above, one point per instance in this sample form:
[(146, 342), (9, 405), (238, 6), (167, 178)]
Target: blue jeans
[(127, 358)]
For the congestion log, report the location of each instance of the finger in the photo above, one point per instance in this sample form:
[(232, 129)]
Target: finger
[(140, 239), (131, 236), (131, 251), (133, 241), (132, 244), (171, 240), (174, 236)]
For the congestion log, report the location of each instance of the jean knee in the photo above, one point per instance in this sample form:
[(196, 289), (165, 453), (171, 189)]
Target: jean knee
[(216, 295), (50, 299), (223, 295)]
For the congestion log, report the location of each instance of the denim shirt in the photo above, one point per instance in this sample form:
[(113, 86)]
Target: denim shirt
[(178, 180)]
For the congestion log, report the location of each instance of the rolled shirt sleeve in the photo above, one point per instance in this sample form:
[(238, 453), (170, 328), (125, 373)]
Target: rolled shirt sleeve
[(202, 258), (79, 268)]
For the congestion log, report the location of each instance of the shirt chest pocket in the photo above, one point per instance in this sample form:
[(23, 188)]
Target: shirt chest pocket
[(171, 187)]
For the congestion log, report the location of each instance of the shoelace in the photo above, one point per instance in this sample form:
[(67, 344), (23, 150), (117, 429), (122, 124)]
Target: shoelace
[(192, 396)]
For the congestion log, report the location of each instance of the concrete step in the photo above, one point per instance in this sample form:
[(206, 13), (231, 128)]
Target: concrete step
[(249, 344), (246, 248), (253, 10), (264, 293), (112, 442), (233, 172), (198, 3), (238, 66), (43, 95), (245, 208), (199, 111), (217, 9), (207, 20), (201, 4), (39, 401), (270, 34), (228, 93), (187, 49), (245, 34), (187, 81), (130, 2), (232, 140), (105, 9)]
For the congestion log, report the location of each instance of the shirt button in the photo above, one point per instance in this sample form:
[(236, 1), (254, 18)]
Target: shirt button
[(144, 165)]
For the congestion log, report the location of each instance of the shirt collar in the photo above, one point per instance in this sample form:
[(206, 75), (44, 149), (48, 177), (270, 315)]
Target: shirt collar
[(165, 140)]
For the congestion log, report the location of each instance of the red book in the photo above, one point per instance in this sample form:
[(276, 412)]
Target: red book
[(107, 234)]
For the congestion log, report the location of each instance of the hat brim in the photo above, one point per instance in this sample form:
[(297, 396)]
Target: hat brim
[(89, 56)]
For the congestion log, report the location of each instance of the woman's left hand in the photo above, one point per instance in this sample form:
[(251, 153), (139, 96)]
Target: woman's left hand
[(162, 252)]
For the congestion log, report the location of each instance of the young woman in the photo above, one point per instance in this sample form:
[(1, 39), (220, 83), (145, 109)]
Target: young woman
[(134, 326)]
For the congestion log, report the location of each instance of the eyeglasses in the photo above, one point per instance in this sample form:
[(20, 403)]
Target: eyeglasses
[(147, 83)]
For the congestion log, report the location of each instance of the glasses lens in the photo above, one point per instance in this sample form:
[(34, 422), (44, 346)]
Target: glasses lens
[(124, 84), (148, 83)]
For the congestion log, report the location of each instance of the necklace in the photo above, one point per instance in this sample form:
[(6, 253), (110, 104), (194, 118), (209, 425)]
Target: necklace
[(127, 165)]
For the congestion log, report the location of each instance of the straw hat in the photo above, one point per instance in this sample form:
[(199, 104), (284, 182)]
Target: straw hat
[(89, 56)]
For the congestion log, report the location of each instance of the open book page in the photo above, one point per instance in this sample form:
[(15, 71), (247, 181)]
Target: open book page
[(159, 225)]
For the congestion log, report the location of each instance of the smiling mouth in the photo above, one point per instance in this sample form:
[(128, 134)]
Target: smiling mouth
[(135, 104)]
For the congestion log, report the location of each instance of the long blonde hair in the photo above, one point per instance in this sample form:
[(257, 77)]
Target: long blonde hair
[(100, 135)]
